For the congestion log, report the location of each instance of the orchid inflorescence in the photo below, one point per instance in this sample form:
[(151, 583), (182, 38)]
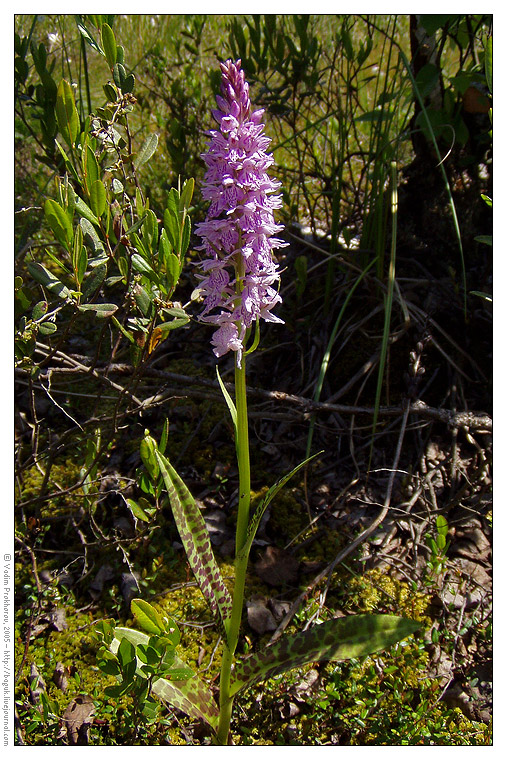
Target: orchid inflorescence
[(239, 273)]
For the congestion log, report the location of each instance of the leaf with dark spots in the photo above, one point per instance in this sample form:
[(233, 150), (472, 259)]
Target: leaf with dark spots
[(191, 695), (339, 639), (196, 541)]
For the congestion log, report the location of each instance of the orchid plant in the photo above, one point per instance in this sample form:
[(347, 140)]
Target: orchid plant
[(238, 281)]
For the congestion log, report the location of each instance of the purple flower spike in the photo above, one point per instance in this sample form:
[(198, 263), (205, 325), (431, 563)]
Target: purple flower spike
[(240, 275)]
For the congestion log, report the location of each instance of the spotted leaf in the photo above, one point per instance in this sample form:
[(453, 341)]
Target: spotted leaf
[(191, 695), (196, 541), (338, 639)]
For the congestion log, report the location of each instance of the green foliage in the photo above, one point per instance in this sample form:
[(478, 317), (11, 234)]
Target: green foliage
[(106, 256), (339, 639), (150, 665), (106, 234), (438, 546), (196, 540)]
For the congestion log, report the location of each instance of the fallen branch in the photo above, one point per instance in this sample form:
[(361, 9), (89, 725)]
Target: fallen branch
[(476, 421)]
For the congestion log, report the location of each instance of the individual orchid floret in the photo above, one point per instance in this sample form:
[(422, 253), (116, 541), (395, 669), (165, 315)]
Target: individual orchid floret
[(240, 277)]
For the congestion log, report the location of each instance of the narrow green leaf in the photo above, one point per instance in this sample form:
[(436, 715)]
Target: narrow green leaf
[(147, 616), (109, 44), (173, 201), (185, 237), (164, 437), (102, 310), (229, 402), (94, 280), (91, 168), (164, 247), (59, 221), (172, 228), (68, 163), (257, 516), (89, 39), (142, 299), (86, 212), (150, 229), (98, 197), (48, 280), (481, 294), (141, 265), (186, 194), (66, 113), (135, 226), (119, 75), (137, 511), (124, 332), (82, 264), (191, 696), (488, 63), (196, 541), (172, 264), (340, 639), (147, 150)]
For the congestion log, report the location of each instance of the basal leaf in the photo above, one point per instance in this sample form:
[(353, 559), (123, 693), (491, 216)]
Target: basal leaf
[(178, 674), (340, 639), (195, 538), (191, 695)]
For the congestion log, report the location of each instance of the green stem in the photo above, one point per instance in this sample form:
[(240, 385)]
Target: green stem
[(243, 455)]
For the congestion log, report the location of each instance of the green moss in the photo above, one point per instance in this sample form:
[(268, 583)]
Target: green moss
[(377, 589)]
